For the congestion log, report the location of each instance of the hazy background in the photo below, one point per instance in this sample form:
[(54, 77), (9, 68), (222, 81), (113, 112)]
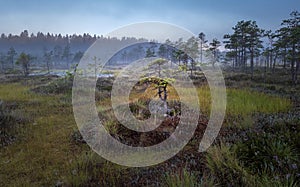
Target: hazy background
[(213, 17)]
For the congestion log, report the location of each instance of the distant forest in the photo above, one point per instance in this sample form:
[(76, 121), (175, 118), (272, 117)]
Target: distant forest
[(247, 48), (61, 50)]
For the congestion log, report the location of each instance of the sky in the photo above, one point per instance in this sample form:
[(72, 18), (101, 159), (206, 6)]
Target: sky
[(213, 17)]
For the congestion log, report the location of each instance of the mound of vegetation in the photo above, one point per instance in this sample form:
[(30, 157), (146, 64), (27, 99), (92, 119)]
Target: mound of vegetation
[(58, 86), (64, 85), (267, 155), (10, 120)]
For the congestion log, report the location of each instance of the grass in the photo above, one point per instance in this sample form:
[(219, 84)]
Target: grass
[(270, 156), (43, 154), (240, 102), (15, 93), (181, 178), (272, 152), (270, 181), (225, 167), (245, 102), (90, 166)]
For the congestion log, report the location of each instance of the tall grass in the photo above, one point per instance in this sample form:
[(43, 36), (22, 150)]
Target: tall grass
[(90, 168), (240, 102), (225, 168), (245, 102)]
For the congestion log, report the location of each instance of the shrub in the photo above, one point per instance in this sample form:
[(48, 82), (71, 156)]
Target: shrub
[(59, 86), (266, 153)]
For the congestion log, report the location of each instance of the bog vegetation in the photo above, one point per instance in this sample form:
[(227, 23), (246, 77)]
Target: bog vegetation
[(258, 144)]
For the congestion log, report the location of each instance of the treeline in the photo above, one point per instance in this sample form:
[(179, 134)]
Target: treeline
[(282, 46), (36, 43), (47, 50), (184, 53), (247, 48)]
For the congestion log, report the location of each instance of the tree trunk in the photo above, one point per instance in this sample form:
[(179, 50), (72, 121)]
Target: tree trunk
[(164, 97), (267, 62), (244, 58), (48, 67), (252, 63), (233, 63), (236, 57), (297, 71), (12, 63), (2, 69), (274, 64), (271, 58), (215, 57), (265, 72), (192, 67), (293, 72), (239, 59), (284, 59), (201, 51), (26, 70)]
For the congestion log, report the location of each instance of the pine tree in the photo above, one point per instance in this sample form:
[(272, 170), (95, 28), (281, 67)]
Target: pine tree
[(289, 40)]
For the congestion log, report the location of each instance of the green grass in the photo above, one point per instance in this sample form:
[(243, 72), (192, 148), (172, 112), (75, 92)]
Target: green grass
[(15, 92), (240, 102), (229, 166), (245, 102), (90, 166), (270, 156), (225, 167), (273, 152), (181, 178), (43, 153)]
